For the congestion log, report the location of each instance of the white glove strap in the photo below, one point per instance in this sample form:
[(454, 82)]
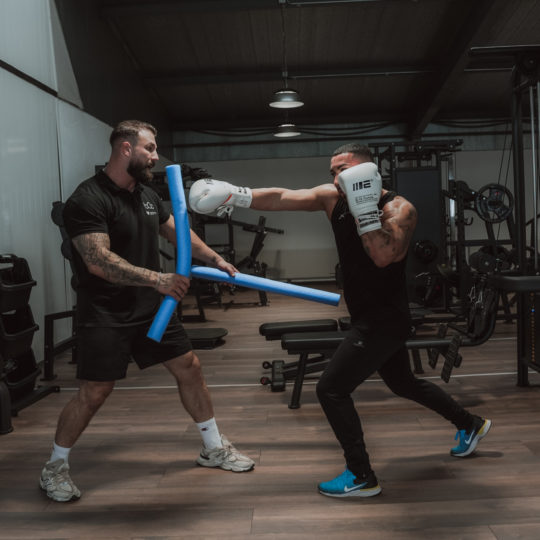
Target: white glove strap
[(242, 197), (370, 221)]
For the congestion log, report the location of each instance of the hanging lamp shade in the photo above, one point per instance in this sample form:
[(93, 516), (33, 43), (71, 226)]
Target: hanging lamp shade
[(286, 98), (287, 130)]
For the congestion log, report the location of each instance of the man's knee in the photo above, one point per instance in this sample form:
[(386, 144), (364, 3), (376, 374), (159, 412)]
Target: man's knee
[(94, 393), (405, 387), (187, 365), (327, 390)]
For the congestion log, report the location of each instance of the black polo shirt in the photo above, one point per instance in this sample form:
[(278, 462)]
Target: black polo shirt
[(131, 220)]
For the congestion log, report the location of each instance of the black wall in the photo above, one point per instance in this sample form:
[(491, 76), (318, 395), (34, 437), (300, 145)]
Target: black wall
[(422, 187)]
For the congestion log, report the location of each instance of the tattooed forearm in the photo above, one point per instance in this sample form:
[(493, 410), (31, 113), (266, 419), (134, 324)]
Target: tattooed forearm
[(95, 251)]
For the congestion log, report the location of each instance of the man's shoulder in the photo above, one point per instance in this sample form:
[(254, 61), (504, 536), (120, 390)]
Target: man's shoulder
[(89, 188), (89, 197)]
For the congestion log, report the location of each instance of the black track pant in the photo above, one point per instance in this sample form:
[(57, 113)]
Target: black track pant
[(356, 359)]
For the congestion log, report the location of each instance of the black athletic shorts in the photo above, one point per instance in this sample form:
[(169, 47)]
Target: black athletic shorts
[(103, 354)]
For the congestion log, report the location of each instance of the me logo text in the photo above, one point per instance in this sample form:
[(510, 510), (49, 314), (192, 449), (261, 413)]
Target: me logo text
[(363, 184)]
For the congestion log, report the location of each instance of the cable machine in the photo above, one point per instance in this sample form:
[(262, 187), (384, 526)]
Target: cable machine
[(415, 171), (526, 281)]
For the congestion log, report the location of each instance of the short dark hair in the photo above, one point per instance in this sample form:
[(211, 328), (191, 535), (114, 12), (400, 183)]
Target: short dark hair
[(128, 130), (357, 149)]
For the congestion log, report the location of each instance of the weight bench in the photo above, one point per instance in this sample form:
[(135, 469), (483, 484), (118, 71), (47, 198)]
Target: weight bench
[(418, 317), (282, 371), (323, 345)]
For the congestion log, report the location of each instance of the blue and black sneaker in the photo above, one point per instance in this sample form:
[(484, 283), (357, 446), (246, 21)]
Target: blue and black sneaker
[(468, 441), (347, 485)]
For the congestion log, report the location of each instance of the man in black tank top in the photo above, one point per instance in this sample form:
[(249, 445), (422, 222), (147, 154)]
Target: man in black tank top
[(372, 228)]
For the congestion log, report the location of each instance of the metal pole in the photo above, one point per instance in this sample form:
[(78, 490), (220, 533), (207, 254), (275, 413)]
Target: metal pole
[(519, 196), (536, 180), (532, 106), (451, 207)]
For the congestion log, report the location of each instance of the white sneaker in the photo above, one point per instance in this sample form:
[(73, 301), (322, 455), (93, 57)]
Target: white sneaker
[(227, 458), (56, 482)]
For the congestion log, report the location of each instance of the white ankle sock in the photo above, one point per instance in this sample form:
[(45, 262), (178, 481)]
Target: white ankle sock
[(210, 434), (59, 452)]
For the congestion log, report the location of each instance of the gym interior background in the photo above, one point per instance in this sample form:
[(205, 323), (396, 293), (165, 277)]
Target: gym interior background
[(203, 73)]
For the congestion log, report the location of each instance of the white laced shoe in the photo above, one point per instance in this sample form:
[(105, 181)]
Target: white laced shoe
[(56, 482), (227, 458)]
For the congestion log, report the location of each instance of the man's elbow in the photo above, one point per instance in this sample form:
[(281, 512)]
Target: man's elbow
[(383, 258), (95, 270)]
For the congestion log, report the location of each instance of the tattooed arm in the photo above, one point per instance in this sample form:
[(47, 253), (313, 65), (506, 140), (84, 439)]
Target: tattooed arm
[(390, 243), (94, 249)]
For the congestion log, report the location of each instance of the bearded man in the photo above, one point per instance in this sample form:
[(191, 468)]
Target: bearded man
[(114, 221)]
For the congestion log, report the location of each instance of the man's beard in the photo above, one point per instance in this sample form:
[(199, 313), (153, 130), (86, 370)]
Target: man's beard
[(140, 172)]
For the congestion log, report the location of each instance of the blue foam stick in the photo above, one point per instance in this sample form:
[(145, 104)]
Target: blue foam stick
[(183, 249), (263, 284)]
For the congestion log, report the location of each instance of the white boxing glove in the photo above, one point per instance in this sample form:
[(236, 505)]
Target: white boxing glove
[(362, 185), (207, 195)]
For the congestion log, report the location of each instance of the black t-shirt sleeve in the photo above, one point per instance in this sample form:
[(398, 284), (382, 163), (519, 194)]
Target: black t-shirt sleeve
[(83, 215)]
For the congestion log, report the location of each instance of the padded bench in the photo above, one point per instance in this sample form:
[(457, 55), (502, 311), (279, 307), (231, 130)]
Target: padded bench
[(274, 330), (323, 344), (282, 371)]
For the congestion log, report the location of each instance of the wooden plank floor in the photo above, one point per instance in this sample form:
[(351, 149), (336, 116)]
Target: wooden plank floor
[(135, 464)]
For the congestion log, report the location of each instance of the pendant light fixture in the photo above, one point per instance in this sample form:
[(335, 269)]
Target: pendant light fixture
[(287, 130), (285, 98)]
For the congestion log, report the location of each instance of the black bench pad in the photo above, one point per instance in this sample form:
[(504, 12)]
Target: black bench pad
[(206, 338), (313, 342), (275, 330), (305, 342)]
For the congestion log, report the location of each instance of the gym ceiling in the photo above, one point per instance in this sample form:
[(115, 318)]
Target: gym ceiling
[(215, 64)]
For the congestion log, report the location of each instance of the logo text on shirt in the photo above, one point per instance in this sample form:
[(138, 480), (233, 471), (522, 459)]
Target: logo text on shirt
[(150, 209)]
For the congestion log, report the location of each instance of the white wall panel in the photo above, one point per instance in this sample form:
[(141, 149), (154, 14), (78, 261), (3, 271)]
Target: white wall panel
[(26, 40), (29, 182), (83, 144)]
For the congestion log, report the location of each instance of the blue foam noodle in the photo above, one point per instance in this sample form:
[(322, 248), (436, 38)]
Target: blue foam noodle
[(183, 249), (264, 284)]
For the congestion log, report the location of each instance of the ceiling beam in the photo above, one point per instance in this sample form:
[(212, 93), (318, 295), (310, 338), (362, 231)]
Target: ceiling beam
[(217, 77), (482, 16), (273, 120), (112, 8), (230, 77)]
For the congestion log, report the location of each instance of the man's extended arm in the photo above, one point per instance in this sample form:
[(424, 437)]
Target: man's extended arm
[(209, 195), (321, 197)]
